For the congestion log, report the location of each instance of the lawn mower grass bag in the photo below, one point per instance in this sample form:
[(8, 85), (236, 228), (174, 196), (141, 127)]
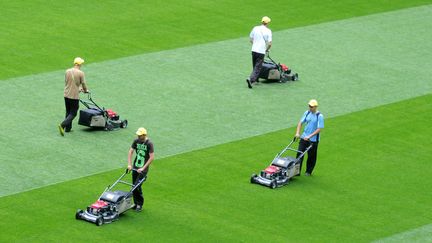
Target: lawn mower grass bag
[(91, 118), (278, 72), (97, 117)]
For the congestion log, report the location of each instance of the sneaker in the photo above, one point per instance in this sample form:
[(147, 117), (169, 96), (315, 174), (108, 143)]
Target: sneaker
[(138, 208), (307, 174), (61, 130), (249, 83)]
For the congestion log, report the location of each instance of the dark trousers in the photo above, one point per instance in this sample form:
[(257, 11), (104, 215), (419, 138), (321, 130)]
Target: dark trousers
[(257, 63), (137, 193), (72, 107), (312, 154)]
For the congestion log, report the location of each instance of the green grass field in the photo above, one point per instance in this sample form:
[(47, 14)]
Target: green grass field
[(368, 185), (178, 69)]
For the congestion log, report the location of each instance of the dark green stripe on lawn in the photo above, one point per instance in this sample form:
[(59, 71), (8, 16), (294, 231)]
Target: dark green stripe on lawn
[(371, 181), (38, 37)]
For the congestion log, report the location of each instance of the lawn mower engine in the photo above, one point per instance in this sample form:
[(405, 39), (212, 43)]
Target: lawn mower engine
[(113, 120), (287, 75)]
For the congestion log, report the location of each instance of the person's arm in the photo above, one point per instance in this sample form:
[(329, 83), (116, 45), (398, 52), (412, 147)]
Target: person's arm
[(147, 164), (320, 126), (318, 130), (269, 45), (84, 88), (268, 39), (251, 35), (84, 84), (299, 125), (131, 151)]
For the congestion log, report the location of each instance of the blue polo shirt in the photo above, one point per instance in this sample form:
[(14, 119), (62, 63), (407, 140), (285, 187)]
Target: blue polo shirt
[(312, 123)]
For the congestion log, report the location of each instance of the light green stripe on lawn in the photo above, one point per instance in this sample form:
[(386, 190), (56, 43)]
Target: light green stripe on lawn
[(196, 97), (422, 234)]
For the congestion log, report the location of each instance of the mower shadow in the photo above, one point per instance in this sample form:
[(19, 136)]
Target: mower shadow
[(270, 82), (93, 129)]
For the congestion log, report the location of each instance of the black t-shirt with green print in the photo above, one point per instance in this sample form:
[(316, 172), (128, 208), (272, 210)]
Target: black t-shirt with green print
[(143, 150)]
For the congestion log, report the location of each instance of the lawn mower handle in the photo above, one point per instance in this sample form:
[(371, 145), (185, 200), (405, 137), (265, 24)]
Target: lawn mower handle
[(287, 148), (120, 180), (127, 170), (88, 95), (91, 103), (268, 55), (86, 92)]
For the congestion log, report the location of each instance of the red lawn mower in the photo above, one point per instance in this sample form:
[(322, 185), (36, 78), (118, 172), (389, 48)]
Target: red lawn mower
[(281, 169)]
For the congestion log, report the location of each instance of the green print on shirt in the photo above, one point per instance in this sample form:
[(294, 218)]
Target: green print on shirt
[(141, 152)]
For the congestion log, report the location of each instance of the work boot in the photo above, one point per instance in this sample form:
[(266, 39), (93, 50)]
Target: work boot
[(249, 83), (61, 130)]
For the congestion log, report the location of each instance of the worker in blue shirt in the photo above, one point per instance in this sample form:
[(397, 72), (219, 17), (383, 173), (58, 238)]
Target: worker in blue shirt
[(314, 123)]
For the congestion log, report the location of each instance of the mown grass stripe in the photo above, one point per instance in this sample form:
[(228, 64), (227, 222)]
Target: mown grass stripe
[(420, 234)]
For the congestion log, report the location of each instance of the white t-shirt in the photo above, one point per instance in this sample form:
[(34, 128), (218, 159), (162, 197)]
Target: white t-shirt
[(260, 35)]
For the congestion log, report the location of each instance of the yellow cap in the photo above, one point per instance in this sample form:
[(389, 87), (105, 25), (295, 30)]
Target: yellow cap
[(265, 20), (313, 103), (141, 131), (78, 60)]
